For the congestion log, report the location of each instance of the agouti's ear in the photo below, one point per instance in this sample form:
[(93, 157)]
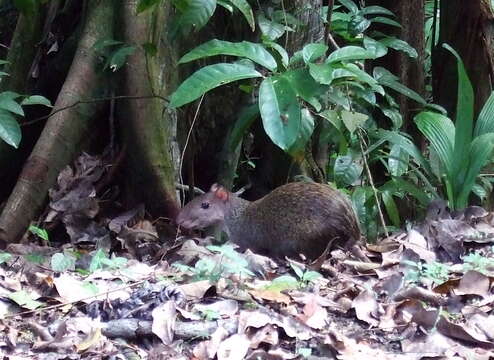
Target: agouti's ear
[(220, 192)]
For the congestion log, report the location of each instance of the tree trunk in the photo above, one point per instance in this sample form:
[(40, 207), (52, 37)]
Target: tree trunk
[(64, 131), (467, 26), (147, 127)]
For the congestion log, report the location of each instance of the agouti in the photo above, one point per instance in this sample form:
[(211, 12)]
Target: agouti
[(294, 218)]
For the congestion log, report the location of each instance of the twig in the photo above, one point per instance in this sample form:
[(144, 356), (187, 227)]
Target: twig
[(371, 181), (187, 187), (78, 102), (329, 38)]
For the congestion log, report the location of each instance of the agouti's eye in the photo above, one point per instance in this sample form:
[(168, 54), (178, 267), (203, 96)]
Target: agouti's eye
[(205, 205)]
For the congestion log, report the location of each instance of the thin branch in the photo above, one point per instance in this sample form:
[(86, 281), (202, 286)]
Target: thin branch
[(95, 100), (329, 38)]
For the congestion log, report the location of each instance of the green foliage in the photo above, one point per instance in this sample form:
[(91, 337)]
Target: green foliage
[(114, 52), (62, 261), (461, 149), (101, 261), (208, 269), (144, 5), (476, 261), (24, 299), (436, 272), (4, 257), (286, 282), (42, 233)]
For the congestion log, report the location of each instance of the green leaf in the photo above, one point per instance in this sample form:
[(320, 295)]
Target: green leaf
[(270, 29), (24, 299), (480, 152), (440, 131), (297, 150), (394, 115), (399, 45), (463, 123), (119, 57), (3, 62), (375, 47), (346, 171), (353, 120), (485, 121), (196, 14), (10, 131), (312, 52), (305, 86), (4, 257), (225, 4), (246, 11), (385, 20), (349, 53), (144, 5), (280, 50), (102, 44), (61, 262), (391, 208), (280, 111), (358, 24), (350, 5), (385, 78), (252, 51), (244, 121), (8, 103), (373, 10), (3, 73), (364, 77), (42, 233), (333, 117), (398, 161), (36, 100), (322, 73), (403, 185), (207, 78)]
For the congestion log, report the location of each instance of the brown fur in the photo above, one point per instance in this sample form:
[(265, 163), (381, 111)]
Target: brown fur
[(294, 218)]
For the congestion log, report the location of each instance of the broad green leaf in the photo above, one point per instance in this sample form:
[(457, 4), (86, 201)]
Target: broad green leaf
[(10, 131), (367, 95), (3, 73), (385, 20), (358, 24), (440, 131), (350, 53), (398, 161), (4, 257), (252, 51), (102, 44), (36, 100), (297, 150), (480, 152), (225, 4), (463, 123), (485, 121), (8, 103), (322, 73), (391, 208), (399, 45), (350, 5), (280, 50), (62, 262), (119, 57), (373, 10), (3, 62), (24, 299), (305, 86), (406, 144), (196, 14), (207, 78), (246, 11), (144, 5), (346, 171), (375, 47), (244, 121), (42, 233), (384, 78), (312, 52), (270, 29), (338, 97), (333, 117), (280, 111), (363, 76), (406, 186), (394, 115), (353, 120)]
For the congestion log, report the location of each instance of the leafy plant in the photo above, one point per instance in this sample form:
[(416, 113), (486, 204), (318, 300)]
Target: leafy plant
[(101, 260), (476, 261), (62, 261), (462, 150), (286, 282), (436, 272), (4, 257), (42, 233)]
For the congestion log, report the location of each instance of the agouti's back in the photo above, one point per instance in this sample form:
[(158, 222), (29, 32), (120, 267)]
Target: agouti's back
[(294, 218)]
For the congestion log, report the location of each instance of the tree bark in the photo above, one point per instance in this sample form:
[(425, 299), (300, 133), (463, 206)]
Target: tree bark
[(63, 132), (147, 127), (467, 26)]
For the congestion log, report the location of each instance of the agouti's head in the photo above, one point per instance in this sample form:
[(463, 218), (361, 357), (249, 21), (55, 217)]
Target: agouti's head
[(205, 210)]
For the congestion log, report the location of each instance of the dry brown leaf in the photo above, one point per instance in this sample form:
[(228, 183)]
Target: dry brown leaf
[(366, 308), (473, 283), (226, 308), (196, 290), (164, 317), (234, 348), (270, 295)]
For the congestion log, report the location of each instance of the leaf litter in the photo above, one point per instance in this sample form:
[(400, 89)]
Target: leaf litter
[(111, 283)]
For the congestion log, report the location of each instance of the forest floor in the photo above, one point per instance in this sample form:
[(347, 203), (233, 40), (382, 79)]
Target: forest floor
[(425, 292)]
